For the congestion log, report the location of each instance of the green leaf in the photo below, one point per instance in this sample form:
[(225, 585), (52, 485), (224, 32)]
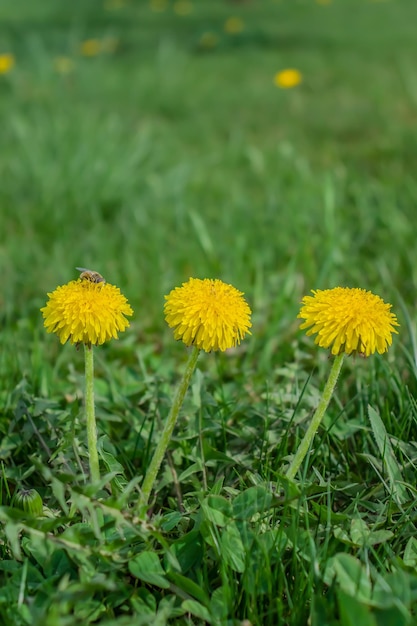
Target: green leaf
[(363, 536), (189, 550), (251, 501), (12, 532), (410, 553), (321, 607), (219, 604), (143, 602), (189, 587), (265, 554), (88, 609), (25, 613), (232, 549), (379, 536), (196, 388), (350, 575), (147, 567), (326, 515), (217, 510), (393, 617), (218, 486), (171, 520), (359, 532), (394, 590), (353, 612), (195, 468), (118, 480), (387, 453), (197, 609), (10, 566), (342, 535)]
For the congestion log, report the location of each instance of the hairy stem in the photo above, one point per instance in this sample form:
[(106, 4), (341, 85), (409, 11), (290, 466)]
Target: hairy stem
[(156, 461), (90, 414), (305, 444)]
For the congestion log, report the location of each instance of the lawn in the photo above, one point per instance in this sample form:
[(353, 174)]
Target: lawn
[(152, 142)]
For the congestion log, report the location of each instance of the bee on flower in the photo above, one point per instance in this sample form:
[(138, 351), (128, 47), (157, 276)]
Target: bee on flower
[(91, 275)]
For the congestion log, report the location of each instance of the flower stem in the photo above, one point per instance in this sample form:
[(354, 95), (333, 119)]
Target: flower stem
[(90, 414), (156, 461), (305, 444)]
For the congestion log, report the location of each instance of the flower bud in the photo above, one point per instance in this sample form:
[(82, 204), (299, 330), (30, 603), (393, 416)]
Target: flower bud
[(28, 500)]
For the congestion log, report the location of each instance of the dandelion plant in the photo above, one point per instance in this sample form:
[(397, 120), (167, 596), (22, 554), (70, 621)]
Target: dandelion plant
[(87, 311), (206, 315), (349, 321)]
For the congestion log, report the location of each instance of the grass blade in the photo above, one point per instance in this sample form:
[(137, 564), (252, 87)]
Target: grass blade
[(387, 453)]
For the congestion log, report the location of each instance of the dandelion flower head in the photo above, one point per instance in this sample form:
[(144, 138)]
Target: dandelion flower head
[(183, 7), (348, 320), (287, 79), (90, 47), (208, 314), (7, 62), (114, 5), (208, 40), (234, 25), (64, 65), (158, 5), (86, 312)]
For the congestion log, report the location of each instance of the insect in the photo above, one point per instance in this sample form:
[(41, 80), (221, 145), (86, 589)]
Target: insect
[(91, 275)]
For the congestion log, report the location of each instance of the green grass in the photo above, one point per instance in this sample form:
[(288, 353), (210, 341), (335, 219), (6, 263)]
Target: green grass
[(163, 160)]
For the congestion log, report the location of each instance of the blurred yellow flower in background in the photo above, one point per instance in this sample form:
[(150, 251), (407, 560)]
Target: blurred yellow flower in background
[(234, 25), (183, 7), (288, 78), (208, 40), (114, 5), (64, 65), (158, 5), (7, 62), (90, 47)]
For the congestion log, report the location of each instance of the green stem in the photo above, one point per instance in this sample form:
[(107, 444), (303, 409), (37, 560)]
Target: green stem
[(200, 437), (155, 464), (305, 444), (90, 414)]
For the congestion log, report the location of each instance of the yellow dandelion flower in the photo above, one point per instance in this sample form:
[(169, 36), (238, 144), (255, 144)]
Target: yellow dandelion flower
[(348, 320), (86, 312), (287, 79), (158, 6), (183, 7), (90, 47), (114, 5), (7, 62), (64, 65), (234, 25), (208, 40), (208, 314)]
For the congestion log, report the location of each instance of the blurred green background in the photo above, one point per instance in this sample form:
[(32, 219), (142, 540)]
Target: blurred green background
[(153, 141), (150, 141)]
